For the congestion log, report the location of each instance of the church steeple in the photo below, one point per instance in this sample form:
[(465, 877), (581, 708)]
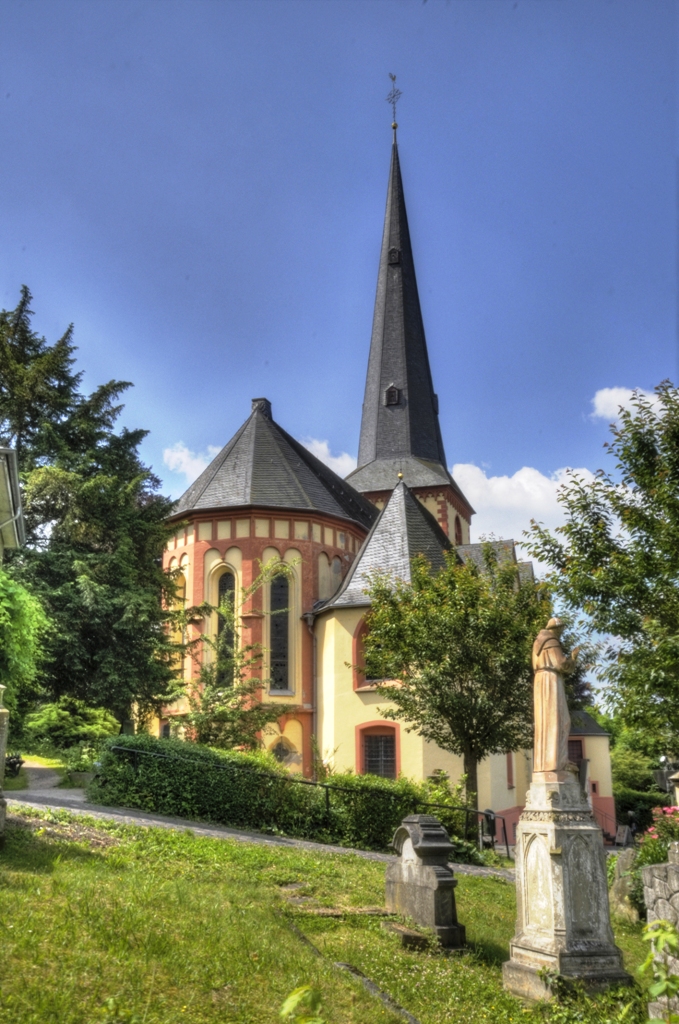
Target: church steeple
[(400, 432), (400, 409)]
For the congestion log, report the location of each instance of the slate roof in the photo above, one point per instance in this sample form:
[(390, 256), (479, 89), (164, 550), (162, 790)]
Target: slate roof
[(404, 437), (583, 724), (264, 466), (404, 529), (504, 550)]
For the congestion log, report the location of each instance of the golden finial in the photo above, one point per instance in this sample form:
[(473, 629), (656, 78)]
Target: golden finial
[(393, 98), (400, 476)]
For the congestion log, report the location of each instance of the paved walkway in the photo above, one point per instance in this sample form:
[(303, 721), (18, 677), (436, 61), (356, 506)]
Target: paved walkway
[(73, 800), (39, 776)]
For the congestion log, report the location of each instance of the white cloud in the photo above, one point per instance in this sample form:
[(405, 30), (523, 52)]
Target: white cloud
[(341, 464), (180, 459), (607, 402), (506, 504)]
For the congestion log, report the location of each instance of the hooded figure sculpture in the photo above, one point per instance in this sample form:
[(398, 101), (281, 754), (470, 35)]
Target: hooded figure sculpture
[(552, 720)]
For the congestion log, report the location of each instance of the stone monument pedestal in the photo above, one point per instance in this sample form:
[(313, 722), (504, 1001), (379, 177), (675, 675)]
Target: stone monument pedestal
[(420, 884), (563, 923)]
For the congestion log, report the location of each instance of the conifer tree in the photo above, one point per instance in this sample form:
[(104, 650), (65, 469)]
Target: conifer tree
[(96, 525)]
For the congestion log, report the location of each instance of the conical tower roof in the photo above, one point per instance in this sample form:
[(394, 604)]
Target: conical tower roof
[(404, 529), (400, 427), (264, 466)]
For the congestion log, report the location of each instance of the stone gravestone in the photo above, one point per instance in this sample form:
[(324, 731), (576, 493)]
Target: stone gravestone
[(563, 921), (420, 884), (621, 904), (4, 724), (661, 896)]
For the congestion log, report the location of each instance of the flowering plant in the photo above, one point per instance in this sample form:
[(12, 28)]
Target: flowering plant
[(665, 824)]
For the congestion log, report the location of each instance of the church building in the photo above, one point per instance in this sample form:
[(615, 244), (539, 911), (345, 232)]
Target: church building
[(265, 496)]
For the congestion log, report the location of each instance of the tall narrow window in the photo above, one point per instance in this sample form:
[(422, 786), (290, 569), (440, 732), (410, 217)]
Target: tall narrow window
[(458, 530), (575, 751), (280, 594), (379, 755), (225, 633)]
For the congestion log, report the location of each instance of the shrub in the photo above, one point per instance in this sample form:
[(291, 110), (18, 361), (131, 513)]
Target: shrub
[(631, 770), (68, 722), (641, 804), (653, 849), (81, 758), (251, 790)]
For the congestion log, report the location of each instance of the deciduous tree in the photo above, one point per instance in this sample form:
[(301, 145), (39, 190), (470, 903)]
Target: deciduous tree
[(455, 647), (616, 559)]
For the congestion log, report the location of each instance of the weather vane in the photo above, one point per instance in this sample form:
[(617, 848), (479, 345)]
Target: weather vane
[(393, 97)]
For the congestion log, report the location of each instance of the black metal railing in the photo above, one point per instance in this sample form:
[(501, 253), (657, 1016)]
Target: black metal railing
[(486, 821)]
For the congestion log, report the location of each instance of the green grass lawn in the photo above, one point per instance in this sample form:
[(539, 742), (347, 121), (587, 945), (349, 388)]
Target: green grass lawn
[(125, 925), (20, 782)]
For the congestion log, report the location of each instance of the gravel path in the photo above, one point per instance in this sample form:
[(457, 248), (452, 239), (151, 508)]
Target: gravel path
[(39, 776), (73, 800)]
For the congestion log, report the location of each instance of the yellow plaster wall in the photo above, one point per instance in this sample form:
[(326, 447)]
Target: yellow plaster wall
[(493, 790), (596, 749), (435, 759), (341, 708), (294, 736)]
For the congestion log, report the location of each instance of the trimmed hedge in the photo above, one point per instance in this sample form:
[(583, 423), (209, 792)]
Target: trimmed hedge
[(640, 803), (254, 791)]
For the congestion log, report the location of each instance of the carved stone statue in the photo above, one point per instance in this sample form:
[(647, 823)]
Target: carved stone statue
[(552, 720), (563, 920)]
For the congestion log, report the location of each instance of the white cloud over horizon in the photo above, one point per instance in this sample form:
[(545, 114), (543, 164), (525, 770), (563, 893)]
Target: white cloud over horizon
[(607, 402), (505, 505), (181, 460), (342, 464)]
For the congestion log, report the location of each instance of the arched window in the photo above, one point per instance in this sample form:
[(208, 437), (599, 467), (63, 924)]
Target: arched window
[(377, 752), (226, 590), (279, 639), (324, 577), (336, 574), (458, 530)]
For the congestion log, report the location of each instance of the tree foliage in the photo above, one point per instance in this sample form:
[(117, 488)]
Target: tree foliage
[(225, 706), (23, 627), (96, 527), (69, 721), (455, 647), (616, 558)]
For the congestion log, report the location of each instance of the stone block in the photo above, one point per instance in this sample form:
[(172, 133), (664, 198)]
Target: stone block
[(662, 889), (409, 938), (665, 911), (619, 896), (420, 884), (647, 876)]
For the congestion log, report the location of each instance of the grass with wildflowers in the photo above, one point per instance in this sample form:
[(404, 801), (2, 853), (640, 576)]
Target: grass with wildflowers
[(119, 924)]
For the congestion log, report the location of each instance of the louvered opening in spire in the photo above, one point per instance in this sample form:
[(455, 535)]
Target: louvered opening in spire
[(400, 409)]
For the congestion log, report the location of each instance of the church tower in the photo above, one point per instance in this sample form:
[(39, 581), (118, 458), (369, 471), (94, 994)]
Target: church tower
[(400, 432)]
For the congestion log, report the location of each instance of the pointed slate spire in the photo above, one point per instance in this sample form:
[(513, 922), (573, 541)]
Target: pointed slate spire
[(400, 409)]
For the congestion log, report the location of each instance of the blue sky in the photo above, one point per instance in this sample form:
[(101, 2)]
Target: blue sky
[(200, 187)]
